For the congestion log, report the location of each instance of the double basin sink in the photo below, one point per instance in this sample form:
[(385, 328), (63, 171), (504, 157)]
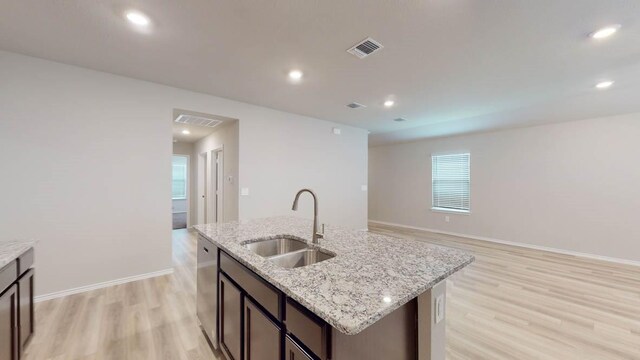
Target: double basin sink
[(288, 252)]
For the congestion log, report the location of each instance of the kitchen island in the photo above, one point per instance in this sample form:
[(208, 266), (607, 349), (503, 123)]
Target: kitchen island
[(369, 296)]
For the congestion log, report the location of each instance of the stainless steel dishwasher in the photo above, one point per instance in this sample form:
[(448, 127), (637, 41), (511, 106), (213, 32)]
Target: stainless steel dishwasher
[(207, 289)]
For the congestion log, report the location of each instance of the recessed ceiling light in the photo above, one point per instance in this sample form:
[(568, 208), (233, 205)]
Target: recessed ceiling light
[(186, 132), (138, 18), (389, 103), (604, 84), (295, 75), (605, 32)]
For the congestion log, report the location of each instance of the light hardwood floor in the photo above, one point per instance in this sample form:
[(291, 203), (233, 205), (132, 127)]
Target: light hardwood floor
[(511, 303), (515, 303), (147, 319)]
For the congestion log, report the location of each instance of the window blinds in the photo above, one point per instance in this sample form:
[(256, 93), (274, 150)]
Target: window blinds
[(451, 181)]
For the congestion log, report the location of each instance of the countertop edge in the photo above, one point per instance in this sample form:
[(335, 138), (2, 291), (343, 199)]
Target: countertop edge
[(25, 245)]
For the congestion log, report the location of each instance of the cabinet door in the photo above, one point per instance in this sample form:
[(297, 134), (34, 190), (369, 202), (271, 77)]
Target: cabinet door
[(9, 324), (261, 336), (230, 319), (294, 352), (25, 308)]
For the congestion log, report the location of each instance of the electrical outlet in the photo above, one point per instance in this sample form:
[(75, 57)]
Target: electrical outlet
[(439, 309), (337, 131), (446, 218)]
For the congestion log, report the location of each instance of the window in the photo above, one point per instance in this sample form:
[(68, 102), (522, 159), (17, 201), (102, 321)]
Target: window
[(179, 176), (450, 182)]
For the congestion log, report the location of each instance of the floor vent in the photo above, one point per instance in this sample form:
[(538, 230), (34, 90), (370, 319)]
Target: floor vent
[(197, 120), (365, 48), (355, 105)]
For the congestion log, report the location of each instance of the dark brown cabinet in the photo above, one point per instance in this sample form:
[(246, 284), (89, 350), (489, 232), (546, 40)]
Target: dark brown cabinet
[(16, 306), (294, 352), (25, 311), (9, 324), (251, 319), (230, 319), (261, 335)]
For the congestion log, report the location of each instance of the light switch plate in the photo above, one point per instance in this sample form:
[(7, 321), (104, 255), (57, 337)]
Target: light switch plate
[(363, 187), (337, 131), (244, 191)]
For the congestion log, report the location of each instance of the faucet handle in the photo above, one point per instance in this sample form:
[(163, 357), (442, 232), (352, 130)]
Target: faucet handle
[(320, 234)]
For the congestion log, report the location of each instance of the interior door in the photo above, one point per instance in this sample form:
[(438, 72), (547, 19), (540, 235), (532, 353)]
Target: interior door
[(220, 187), (202, 188)]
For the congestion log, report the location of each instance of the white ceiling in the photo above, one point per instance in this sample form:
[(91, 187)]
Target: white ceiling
[(453, 66), (195, 132)]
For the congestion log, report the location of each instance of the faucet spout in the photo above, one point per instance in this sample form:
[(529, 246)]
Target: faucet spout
[(294, 207)]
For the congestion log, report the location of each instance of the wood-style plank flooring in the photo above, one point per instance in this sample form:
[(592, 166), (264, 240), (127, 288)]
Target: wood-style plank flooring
[(512, 303), (147, 319), (515, 303)]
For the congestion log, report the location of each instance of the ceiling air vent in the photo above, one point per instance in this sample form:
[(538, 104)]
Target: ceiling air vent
[(197, 120), (399, 119), (355, 105), (365, 48)]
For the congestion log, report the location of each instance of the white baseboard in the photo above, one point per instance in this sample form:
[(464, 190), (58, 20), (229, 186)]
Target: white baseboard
[(511, 243), (101, 285)]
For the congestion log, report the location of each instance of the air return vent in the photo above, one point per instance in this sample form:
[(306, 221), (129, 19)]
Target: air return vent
[(355, 105), (365, 48), (197, 120), (399, 119)]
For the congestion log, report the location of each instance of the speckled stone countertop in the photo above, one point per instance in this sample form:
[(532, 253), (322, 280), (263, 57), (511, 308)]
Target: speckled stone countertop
[(10, 250), (370, 276)]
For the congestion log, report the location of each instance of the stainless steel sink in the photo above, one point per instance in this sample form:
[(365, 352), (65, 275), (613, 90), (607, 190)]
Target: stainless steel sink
[(301, 258), (288, 252), (271, 247)]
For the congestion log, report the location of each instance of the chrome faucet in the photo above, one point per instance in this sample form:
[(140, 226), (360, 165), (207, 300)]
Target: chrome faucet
[(316, 235)]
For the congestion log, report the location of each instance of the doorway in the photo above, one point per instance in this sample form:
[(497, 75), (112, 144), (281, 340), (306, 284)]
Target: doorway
[(210, 186), (180, 191)]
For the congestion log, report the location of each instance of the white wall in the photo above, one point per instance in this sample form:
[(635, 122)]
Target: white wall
[(571, 186), (278, 158), (76, 142)]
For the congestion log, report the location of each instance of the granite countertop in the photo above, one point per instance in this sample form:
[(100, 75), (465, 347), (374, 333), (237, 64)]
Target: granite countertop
[(10, 250), (370, 277)]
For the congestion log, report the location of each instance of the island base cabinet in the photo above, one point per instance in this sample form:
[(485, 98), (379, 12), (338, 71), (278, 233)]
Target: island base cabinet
[(25, 312), (261, 336), (294, 352), (8, 324), (230, 319)]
